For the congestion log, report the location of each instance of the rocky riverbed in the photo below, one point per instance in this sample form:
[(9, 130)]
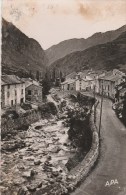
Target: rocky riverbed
[(33, 162)]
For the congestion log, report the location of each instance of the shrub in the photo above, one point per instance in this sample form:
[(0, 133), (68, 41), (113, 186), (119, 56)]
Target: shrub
[(47, 108), (85, 100), (52, 107), (26, 106), (79, 131), (43, 108), (10, 114), (23, 127)]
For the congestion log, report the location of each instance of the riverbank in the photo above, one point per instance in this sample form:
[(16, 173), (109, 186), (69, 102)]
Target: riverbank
[(39, 164)]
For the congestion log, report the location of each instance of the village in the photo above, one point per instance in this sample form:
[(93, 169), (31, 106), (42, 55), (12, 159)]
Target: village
[(63, 97), (17, 91)]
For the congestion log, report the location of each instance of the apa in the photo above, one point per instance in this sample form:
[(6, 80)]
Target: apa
[(112, 182)]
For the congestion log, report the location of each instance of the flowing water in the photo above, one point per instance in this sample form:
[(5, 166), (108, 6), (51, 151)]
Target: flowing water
[(46, 141)]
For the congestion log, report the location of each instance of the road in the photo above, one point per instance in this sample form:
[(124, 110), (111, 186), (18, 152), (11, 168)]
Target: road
[(112, 159)]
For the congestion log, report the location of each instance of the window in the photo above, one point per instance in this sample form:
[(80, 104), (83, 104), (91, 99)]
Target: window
[(21, 100), (29, 92), (15, 102), (12, 103), (15, 85), (22, 91), (68, 86), (8, 94), (15, 92), (8, 86), (36, 92), (108, 87)]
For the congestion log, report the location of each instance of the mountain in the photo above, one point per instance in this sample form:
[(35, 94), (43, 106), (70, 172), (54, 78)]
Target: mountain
[(69, 46), (20, 54), (100, 57)]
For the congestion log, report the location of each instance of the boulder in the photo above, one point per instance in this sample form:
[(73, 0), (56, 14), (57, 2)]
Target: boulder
[(13, 145), (56, 149), (49, 158), (32, 187), (22, 191), (27, 174), (37, 162), (38, 127), (55, 173)]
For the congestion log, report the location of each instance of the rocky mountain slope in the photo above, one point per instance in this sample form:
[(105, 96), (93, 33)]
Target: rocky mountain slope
[(20, 54), (104, 56), (68, 46)]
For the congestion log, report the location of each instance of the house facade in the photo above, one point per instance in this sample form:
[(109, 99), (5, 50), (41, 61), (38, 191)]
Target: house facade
[(12, 91), (69, 84), (100, 82), (107, 85), (80, 82), (83, 84), (120, 91), (33, 92)]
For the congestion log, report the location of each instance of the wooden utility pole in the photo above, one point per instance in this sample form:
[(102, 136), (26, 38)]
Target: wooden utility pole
[(94, 107), (101, 112)]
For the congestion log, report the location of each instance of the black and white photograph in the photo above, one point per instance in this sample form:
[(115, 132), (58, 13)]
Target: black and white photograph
[(63, 97)]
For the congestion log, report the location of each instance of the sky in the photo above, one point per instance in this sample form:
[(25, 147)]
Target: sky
[(53, 21)]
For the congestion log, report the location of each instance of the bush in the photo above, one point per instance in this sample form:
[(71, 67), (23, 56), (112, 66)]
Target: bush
[(73, 97), (23, 127), (79, 131), (10, 114), (85, 100), (26, 106), (77, 158), (48, 108), (52, 107)]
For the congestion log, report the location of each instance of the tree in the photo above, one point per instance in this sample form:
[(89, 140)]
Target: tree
[(37, 75), (46, 84), (54, 74), (124, 108), (61, 75), (31, 74)]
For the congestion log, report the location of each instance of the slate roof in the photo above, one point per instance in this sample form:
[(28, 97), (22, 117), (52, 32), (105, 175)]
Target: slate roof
[(10, 80), (111, 77), (29, 81), (71, 75), (123, 90), (68, 81)]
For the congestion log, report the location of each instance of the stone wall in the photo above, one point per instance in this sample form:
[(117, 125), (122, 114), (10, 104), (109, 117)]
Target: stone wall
[(9, 125), (83, 168), (36, 94)]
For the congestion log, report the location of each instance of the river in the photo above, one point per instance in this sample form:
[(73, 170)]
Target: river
[(47, 150)]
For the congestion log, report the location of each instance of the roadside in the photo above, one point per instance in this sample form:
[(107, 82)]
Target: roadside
[(111, 168)]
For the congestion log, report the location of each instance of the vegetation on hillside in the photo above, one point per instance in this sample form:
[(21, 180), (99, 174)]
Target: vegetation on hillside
[(20, 54), (66, 47), (100, 57)]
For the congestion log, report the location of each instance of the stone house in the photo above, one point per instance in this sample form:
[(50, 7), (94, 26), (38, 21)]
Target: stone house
[(83, 84), (12, 91), (108, 83), (67, 85), (79, 82), (120, 91), (33, 92), (71, 76)]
